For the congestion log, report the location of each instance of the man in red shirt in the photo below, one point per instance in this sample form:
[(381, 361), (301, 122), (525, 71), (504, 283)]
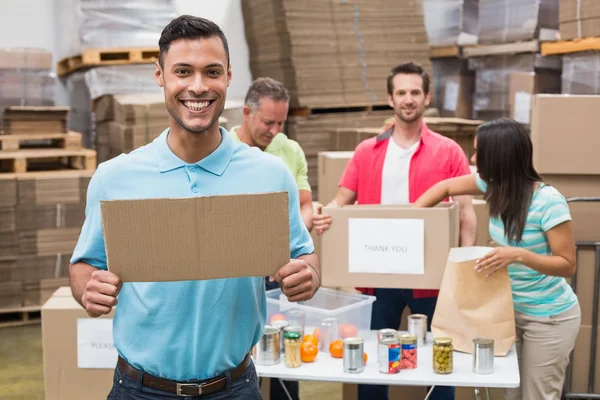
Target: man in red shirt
[(396, 167)]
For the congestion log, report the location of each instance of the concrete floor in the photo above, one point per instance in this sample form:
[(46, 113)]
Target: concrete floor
[(22, 370)]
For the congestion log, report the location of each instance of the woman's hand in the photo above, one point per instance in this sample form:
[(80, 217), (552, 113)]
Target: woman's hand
[(500, 257)]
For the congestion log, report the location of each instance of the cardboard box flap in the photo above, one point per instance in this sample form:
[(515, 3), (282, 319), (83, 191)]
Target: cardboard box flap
[(155, 240)]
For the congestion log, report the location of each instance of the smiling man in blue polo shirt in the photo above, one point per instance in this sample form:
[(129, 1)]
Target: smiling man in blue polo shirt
[(188, 338)]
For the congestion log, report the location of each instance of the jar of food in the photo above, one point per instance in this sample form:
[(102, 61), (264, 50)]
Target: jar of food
[(292, 343), (442, 355)]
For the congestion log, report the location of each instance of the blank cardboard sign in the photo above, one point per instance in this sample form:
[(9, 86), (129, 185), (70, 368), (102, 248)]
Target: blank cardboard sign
[(157, 240)]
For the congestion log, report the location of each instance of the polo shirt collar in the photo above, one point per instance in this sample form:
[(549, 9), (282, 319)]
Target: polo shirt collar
[(215, 163)]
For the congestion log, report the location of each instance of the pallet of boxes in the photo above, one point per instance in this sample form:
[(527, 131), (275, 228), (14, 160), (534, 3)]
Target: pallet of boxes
[(44, 173), (565, 132)]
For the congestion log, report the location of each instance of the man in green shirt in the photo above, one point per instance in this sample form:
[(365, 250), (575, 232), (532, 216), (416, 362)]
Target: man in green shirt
[(265, 111)]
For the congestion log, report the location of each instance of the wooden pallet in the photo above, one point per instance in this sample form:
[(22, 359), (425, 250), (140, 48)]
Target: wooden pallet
[(67, 141), (115, 56), (31, 160), (570, 46), (20, 316), (445, 52), (306, 111), (532, 46)]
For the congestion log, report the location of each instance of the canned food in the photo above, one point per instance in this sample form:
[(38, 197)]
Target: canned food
[(267, 350), (417, 325), (386, 333), (353, 355), (328, 333), (389, 355), (281, 324), (409, 351), (483, 356), (442, 355)]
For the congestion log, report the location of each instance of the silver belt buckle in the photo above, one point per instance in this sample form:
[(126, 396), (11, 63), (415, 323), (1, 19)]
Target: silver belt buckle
[(181, 386)]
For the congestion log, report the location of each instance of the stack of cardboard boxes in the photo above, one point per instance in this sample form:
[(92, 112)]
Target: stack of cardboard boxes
[(310, 132), (565, 154), (580, 19), (43, 213), (358, 42), (126, 122), (26, 78)]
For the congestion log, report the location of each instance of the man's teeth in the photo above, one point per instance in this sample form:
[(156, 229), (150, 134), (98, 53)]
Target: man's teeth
[(196, 106)]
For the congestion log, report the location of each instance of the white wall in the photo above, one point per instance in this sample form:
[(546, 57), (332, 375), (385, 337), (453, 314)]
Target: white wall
[(31, 23)]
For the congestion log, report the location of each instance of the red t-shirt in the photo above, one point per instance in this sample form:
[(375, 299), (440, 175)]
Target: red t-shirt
[(437, 158)]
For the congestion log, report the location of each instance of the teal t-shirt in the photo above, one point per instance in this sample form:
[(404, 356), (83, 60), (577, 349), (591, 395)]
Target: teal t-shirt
[(535, 293)]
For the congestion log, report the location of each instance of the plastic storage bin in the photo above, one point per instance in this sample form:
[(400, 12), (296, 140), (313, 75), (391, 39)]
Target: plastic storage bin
[(352, 310)]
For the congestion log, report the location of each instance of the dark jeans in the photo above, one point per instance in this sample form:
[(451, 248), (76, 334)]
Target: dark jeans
[(276, 392), (244, 388), (387, 311)]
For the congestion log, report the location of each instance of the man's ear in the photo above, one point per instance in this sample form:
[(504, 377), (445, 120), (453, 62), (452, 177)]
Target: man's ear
[(158, 74)]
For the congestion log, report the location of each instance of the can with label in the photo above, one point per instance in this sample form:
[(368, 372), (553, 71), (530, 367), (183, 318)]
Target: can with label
[(417, 325), (409, 351), (354, 361), (389, 355)]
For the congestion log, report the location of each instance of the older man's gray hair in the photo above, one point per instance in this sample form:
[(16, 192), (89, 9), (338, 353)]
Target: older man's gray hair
[(265, 87)]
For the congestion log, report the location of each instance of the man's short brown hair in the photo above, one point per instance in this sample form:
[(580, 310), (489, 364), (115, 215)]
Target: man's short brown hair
[(409, 68)]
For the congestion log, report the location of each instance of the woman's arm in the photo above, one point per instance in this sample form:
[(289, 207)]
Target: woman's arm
[(462, 185), (562, 262)]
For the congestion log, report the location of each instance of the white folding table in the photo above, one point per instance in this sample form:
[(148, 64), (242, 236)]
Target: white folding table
[(327, 368)]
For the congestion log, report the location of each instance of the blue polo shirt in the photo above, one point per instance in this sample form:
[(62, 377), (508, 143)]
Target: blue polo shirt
[(192, 329)]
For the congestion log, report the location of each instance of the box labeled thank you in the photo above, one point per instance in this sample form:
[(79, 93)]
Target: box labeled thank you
[(391, 246)]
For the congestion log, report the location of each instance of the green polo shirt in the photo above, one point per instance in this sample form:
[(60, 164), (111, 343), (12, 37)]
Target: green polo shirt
[(290, 152)]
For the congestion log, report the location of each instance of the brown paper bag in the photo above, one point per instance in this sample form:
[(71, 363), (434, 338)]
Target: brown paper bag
[(472, 306)]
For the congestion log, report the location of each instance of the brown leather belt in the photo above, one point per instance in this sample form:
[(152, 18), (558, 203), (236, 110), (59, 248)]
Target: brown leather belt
[(206, 387)]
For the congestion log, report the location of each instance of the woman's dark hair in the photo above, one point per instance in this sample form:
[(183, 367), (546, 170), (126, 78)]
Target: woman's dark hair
[(189, 27), (505, 163)]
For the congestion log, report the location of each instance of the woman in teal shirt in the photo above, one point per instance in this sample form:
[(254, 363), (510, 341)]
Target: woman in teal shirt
[(531, 224)]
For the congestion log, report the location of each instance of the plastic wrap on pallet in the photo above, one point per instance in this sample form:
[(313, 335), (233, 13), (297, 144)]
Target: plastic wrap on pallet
[(111, 23), (581, 73), (26, 78), (506, 21), (451, 22), (85, 87), (492, 80), (579, 19)]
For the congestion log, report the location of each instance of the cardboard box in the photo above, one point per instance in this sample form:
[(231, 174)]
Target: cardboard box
[(63, 379), (523, 85), (369, 226), (483, 221), (331, 168), (227, 236), (565, 145)]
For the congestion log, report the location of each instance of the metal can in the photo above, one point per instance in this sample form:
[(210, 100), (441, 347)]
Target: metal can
[(417, 325), (386, 333), (297, 318), (483, 356), (409, 351), (267, 350), (281, 324), (354, 361), (328, 333), (389, 355)]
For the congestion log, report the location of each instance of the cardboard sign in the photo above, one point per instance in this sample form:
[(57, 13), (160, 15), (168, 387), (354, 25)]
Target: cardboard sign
[(158, 240), (386, 246), (95, 347)]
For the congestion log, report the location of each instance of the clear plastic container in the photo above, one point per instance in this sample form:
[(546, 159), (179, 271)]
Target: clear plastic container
[(352, 310)]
